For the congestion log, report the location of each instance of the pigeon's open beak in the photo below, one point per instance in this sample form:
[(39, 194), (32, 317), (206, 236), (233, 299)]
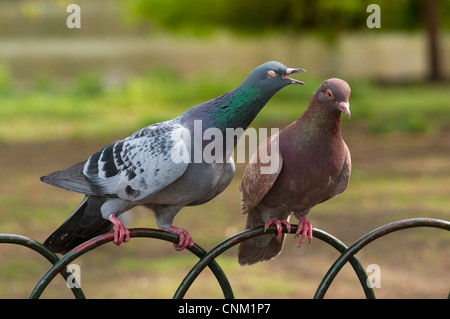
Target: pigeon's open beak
[(290, 71), (345, 108)]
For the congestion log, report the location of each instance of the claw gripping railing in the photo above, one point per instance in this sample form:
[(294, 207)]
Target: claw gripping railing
[(208, 258)]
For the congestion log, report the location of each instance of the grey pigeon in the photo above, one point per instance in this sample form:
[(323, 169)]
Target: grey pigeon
[(312, 166), (159, 167)]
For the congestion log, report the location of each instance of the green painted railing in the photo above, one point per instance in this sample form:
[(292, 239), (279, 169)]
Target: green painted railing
[(208, 258)]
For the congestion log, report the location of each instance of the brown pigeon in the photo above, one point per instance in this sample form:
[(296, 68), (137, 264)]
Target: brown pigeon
[(303, 165)]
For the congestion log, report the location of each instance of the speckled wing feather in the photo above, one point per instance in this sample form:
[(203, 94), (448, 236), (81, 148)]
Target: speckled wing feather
[(140, 165), (258, 177)]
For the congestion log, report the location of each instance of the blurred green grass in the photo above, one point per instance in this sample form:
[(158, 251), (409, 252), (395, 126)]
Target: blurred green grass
[(45, 109)]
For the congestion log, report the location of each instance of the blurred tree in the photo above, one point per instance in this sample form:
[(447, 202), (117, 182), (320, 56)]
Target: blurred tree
[(432, 27), (321, 17)]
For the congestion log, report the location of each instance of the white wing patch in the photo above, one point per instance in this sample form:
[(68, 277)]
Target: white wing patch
[(140, 165)]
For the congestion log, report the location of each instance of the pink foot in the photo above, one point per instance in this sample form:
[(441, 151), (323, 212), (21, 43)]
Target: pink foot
[(121, 233), (275, 221), (185, 240), (305, 227)]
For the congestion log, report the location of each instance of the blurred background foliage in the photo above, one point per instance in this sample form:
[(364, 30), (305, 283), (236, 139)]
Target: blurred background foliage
[(323, 18), (179, 53), (65, 93), (299, 16)]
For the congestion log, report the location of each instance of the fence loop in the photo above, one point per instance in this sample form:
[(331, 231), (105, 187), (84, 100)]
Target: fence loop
[(43, 251), (250, 233), (208, 258), (134, 232), (370, 237)]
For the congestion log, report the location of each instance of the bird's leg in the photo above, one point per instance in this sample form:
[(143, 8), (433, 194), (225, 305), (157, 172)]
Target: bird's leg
[(185, 240), (164, 219), (121, 233), (305, 227), (275, 221)]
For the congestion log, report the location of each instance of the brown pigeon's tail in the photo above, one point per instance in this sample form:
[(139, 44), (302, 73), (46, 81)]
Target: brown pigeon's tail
[(85, 223), (261, 248)]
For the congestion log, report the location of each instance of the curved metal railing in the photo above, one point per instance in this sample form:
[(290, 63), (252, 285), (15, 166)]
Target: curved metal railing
[(208, 258)]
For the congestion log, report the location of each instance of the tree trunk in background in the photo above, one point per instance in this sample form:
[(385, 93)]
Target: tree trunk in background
[(432, 29)]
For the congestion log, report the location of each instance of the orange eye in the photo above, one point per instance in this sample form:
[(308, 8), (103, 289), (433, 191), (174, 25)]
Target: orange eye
[(329, 94)]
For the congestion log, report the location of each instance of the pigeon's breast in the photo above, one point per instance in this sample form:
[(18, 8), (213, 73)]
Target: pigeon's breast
[(306, 179), (199, 183)]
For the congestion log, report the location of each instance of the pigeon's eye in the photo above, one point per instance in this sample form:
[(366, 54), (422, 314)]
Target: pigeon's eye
[(271, 74), (329, 94)]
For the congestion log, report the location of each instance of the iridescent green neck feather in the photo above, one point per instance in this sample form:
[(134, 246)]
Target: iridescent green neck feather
[(234, 109)]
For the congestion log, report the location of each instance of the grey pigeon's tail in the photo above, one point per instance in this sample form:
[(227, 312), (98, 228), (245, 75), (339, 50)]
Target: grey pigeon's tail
[(71, 179), (85, 223), (261, 248)]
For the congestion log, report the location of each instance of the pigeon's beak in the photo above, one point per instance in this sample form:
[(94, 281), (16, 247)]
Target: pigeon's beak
[(290, 71), (345, 108)]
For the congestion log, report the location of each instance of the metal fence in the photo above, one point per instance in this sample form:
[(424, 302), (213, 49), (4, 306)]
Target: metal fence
[(208, 258)]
